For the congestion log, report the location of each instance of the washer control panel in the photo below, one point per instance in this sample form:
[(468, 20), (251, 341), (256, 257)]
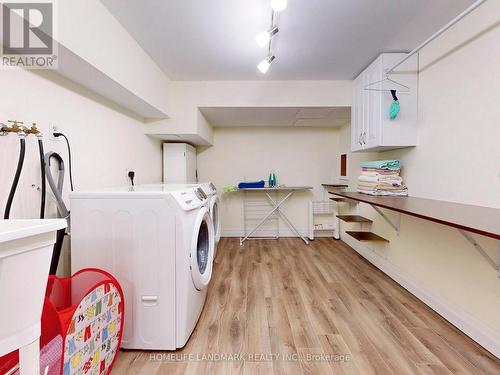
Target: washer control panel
[(190, 199)]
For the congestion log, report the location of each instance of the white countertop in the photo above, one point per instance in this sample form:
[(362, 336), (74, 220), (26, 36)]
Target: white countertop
[(15, 229)]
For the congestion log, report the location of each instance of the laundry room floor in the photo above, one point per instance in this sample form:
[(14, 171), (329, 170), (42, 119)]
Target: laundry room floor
[(285, 307)]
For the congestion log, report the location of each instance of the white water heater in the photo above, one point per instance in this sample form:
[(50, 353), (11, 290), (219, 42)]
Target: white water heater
[(179, 163)]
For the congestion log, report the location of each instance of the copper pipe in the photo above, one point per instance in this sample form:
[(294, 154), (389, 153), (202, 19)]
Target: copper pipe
[(15, 128), (33, 130), (18, 128)]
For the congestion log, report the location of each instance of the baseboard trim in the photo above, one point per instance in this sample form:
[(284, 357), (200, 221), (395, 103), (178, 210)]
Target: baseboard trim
[(484, 335)]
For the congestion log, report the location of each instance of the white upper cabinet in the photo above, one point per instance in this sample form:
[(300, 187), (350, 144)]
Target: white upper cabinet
[(371, 127)]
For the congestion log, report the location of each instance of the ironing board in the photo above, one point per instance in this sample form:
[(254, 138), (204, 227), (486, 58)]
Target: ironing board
[(276, 205)]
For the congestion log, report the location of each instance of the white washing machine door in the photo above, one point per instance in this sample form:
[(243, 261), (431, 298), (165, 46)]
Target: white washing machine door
[(215, 215), (201, 252)]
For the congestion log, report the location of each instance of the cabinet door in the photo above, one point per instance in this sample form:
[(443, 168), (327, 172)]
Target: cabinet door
[(357, 114), (191, 177), (372, 126)]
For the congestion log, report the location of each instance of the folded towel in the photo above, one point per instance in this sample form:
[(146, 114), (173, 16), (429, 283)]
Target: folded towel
[(251, 185), (402, 193), (382, 164), (391, 179), (374, 171), (368, 178), (379, 186)]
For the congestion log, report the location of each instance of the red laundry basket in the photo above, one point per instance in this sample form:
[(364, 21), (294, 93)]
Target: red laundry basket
[(82, 325)]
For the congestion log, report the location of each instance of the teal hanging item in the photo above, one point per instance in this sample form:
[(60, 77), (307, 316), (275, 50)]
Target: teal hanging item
[(395, 107), (393, 113)]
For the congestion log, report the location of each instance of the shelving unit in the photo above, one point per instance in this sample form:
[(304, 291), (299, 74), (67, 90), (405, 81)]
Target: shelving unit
[(323, 209), (361, 235), (354, 219), (480, 220), (335, 186), (366, 236), (338, 199), (466, 218)]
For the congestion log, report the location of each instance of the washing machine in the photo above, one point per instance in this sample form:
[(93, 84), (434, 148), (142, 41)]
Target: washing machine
[(158, 241), (212, 203), (214, 208)]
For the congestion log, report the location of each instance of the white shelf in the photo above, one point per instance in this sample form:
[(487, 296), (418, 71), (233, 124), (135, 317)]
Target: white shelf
[(324, 209), (76, 69), (328, 226)]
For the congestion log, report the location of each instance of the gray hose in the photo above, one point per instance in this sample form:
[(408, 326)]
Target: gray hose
[(57, 190)]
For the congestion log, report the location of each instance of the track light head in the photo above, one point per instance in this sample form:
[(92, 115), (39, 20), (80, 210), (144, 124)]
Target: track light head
[(264, 37), (278, 5), (265, 64)]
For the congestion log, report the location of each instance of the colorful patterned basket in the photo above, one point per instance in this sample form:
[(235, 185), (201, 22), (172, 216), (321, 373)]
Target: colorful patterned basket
[(82, 325)]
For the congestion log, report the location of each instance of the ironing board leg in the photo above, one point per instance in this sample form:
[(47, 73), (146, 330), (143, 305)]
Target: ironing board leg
[(287, 220), (264, 219)]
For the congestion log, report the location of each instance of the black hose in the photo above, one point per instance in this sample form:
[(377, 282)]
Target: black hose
[(70, 163), (13, 188), (42, 170), (56, 252)]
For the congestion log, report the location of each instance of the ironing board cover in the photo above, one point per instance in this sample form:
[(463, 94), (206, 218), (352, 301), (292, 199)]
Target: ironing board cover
[(94, 332)]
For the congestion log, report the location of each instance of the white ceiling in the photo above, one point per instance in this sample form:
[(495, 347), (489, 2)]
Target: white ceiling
[(318, 39), (277, 116)]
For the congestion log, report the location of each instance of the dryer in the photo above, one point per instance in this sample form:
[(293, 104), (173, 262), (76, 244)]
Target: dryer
[(214, 208), (158, 241)]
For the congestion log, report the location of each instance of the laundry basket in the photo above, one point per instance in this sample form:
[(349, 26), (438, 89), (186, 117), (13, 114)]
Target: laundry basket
[(82, 325)]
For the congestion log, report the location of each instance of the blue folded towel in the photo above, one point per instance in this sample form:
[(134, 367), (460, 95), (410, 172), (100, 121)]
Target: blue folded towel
[(251, 185), (382, 164)]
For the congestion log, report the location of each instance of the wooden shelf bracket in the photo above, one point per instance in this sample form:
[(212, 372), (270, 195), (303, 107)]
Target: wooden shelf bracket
[(395, 226), (494, 263)]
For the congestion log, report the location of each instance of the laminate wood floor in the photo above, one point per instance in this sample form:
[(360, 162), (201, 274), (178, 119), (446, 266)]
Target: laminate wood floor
[(288, 308)]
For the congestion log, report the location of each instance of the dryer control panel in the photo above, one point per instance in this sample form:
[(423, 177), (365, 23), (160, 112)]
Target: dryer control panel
[(190, 199), (209, 189)]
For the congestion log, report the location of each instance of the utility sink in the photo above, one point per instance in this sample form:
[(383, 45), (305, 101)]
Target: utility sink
[(25, 255)]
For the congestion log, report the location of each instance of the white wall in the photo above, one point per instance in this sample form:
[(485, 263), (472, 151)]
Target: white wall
[(300, 156), (187, 97), (104, 140), (457, 159), (90, 31), (458, 153)]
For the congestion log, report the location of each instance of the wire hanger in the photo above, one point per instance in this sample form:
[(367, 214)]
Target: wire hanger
[(399, 86)]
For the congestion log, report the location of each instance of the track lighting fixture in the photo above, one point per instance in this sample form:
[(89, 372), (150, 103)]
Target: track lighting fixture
[(265, 64), (278, 5), (264, 37)]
